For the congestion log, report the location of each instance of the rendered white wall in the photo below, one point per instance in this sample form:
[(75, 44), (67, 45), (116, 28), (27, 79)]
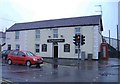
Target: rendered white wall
[(27, 41)]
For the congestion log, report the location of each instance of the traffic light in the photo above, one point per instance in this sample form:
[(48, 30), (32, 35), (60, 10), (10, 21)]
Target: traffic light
[(82, 39), (78, 39), (75, 39)]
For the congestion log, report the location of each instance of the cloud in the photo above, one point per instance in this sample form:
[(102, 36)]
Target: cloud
[(36, 10)]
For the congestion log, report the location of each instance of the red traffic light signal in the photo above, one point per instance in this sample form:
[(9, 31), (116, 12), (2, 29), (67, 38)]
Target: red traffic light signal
[(78, 39)]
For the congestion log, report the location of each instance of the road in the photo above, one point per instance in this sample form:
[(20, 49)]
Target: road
[(85, 72)]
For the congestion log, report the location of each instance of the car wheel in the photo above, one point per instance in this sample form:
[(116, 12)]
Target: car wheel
[(28, 63), (9, 62)]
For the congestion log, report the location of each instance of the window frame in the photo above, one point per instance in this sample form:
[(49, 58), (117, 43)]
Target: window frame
[(37, 34), (17, 46), (68, 49), (44, 49), (55, 33), (17, 35), (37, 48), (77, 30)]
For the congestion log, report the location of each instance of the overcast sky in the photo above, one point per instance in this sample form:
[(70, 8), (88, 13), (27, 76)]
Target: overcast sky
[(16, 11)]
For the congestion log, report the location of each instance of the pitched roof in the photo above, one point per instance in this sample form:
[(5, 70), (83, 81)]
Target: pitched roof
[(65, 22), (2, 34)]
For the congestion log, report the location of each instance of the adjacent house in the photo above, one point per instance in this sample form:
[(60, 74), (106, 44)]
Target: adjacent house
[(2, 38), (54, 38)]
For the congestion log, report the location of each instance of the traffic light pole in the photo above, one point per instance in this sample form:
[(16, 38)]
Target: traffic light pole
[(78, 40), (79, 53)]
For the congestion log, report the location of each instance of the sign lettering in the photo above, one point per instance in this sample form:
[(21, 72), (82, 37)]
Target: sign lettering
[(55, 40)]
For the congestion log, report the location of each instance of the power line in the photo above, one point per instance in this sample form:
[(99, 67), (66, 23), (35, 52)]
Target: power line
[(8, 19)]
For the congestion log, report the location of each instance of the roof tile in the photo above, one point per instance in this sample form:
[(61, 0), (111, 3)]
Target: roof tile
[(76, 21)]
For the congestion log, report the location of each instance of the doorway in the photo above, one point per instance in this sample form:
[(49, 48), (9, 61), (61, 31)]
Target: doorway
[(55, 51), (9, 47)]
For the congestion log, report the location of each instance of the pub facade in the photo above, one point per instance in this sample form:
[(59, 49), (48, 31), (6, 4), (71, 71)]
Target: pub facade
[(54, 38)]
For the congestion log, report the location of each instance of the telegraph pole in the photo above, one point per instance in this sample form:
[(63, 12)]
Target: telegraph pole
[(109, 37), (0, 51), (117, 42), (101, 13)]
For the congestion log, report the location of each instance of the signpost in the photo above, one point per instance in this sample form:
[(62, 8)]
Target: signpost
[(55, 40)]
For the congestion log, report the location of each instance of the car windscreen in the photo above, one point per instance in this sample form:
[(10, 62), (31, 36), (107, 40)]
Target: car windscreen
[(3, 52), (29, 54)]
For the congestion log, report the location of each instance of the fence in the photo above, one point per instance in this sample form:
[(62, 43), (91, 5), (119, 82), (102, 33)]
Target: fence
[(113, 42)]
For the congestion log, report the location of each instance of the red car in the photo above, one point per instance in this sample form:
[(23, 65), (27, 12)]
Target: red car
[(24, 57)]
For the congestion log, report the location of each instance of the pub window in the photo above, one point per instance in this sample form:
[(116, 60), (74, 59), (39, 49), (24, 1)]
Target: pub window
[(17, 35), (37, 34), (37, 46), (77, 31), (17, 47), (44, 47), (55, 33), (66, 47)]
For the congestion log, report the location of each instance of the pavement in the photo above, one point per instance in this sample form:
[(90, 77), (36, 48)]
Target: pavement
[(112, 62)]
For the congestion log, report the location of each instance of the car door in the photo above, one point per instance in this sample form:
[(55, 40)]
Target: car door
[(20, 57), (13, 56)]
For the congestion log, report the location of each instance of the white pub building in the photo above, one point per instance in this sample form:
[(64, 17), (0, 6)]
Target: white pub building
[(54, 38)]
